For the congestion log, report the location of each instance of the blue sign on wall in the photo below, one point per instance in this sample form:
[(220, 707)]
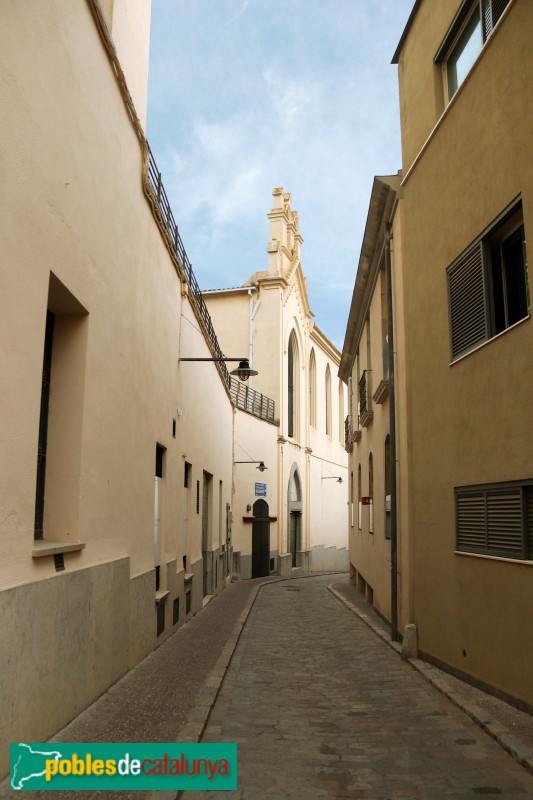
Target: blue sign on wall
[(260, 490)]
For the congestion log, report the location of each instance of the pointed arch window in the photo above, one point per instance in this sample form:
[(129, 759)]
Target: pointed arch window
[(312, 389), (293, 366), (341, 413), (328, 401)]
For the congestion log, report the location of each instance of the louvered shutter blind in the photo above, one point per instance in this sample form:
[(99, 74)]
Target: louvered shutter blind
[(467, 302), (471, 522), (529, 517), (504, 521)]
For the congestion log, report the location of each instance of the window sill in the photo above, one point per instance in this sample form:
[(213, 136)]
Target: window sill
[(382, 392), (366, 418), (486, 556), (488, 341), (188, 577), (45, 547), (160, 596)]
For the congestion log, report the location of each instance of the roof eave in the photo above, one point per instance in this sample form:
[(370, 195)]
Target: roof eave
[(412, 15), (384, 191)]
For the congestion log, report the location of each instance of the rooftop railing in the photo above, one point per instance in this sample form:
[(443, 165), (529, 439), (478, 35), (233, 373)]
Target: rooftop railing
[(251, 401)]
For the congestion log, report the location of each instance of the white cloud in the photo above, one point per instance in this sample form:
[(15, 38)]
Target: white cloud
[(220, 139), (239, 199), (293, 100), (301, 96)]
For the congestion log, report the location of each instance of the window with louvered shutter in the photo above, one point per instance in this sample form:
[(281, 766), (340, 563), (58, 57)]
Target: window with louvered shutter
[(471, 528), (467, 302), (504, 522), (487, 285), (496, 520), (529, 518)]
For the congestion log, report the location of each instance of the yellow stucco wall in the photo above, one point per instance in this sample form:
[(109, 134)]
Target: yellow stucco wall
[(470, 422)]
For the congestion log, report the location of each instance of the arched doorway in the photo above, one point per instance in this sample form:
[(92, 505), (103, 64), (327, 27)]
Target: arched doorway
[(260, 539), (295, 514)]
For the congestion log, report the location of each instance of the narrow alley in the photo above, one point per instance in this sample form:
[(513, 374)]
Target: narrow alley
[(319, 705)]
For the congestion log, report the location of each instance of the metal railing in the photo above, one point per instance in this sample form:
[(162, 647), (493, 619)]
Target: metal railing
[(348, 431), (172, 228), (251, 401), (365, 397), (351, 434)]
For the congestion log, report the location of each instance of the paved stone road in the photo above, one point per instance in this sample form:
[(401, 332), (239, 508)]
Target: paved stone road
[(321, 707)]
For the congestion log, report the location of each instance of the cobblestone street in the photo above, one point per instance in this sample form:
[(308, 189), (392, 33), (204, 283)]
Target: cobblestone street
[(321, 707)]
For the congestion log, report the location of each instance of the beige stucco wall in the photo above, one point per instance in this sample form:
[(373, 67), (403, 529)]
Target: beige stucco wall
[(129, 25), (470, 421), (327, 458), (74, 218), (230, 313)]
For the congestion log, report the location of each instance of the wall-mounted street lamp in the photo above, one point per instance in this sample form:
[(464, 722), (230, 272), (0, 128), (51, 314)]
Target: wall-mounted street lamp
[(261, 466), (332, 478), (243, 371)]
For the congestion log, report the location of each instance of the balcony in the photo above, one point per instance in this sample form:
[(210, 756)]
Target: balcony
[(366, 414), (350, 435)]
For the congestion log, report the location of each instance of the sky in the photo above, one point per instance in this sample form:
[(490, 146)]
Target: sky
[(248, 95)]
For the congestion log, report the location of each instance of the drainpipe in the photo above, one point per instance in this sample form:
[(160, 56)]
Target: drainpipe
[(392, 425), (253, 312)]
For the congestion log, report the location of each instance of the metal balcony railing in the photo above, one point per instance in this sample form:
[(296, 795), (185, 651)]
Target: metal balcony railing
[(365, 398), (348, 433), (351, 434), (366, 412)]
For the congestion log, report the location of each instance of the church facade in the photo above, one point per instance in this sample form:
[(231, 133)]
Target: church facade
[(269, 320)]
